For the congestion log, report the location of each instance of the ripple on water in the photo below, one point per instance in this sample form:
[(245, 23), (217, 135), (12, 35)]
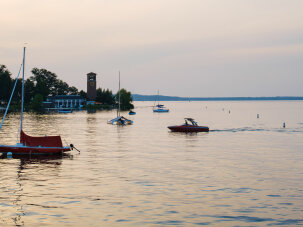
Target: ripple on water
[(169, 222), (202, 223), (242, 218)]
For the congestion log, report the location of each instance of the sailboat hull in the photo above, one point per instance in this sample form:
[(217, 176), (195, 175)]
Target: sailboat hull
[(17, 149), (161, 110)]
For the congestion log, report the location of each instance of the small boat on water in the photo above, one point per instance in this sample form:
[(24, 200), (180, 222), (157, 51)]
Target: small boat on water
[(190, 126), (132, 113), (159, 108), (120, 120), (29, 144), (65, 110), (36, 145)]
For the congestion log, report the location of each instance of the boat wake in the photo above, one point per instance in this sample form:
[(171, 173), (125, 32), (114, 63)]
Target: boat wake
[(245, 129), (251, 129)]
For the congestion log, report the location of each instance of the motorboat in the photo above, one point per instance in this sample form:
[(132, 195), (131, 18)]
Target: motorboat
[(29, 144), (190, 125)]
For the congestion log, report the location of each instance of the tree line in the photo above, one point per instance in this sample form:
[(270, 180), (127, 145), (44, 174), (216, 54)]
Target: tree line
[(107, 98), (43, 83)]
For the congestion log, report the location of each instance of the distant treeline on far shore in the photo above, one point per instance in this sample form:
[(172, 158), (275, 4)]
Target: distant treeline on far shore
[(137, 97)]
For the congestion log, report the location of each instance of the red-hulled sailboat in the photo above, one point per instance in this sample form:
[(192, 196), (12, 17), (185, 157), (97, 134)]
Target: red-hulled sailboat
[(190, 126), (29, 144)]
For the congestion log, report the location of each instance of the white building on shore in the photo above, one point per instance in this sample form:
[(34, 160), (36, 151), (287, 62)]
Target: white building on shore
[(64, 102)]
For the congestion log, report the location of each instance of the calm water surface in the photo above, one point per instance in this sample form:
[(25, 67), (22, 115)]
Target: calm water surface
[(245, 172)]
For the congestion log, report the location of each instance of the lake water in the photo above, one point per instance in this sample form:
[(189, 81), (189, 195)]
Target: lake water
[(246, 171)]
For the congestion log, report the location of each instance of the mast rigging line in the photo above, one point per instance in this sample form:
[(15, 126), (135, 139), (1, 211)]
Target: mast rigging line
[(10, 99)]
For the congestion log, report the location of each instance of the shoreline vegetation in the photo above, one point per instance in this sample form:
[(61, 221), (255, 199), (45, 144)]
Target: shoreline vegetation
[(43, 83)]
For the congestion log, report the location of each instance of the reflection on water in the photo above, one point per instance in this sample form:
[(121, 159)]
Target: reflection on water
[(245, 172), (26, 168)]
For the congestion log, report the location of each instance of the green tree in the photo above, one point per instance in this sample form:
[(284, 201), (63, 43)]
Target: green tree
[(18, 90), (37, 104), (73, 91), (61, 88), (125, 99), (29, 91), (83, 94), (5, 83), (42, 89), (109, 97), (45, 82), (105, 96)]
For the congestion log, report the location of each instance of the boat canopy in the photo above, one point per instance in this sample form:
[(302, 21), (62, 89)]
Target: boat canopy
[(42, 141), (190, 120)]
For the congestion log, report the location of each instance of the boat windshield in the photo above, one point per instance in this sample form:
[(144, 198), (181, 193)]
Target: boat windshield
[(192, 121)]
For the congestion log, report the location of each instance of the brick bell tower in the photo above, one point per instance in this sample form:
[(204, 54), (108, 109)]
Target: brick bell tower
[(91, 86)]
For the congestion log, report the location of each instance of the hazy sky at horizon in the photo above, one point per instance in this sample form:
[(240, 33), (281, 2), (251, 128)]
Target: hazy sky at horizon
[(202, 48)]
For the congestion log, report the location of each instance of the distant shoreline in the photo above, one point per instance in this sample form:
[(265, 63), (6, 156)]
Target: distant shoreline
[(137, 97)]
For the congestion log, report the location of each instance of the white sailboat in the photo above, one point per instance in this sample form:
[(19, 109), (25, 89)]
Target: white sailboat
[(159, 108), (120, 120)]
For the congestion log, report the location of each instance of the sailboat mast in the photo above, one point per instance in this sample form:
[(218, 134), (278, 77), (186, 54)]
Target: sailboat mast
[(119, 94), (22, 101)]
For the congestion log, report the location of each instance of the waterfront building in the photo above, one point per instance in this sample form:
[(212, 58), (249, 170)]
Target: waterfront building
[(64, 102)]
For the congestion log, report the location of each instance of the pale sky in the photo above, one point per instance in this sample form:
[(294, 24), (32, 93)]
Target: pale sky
[(196, 48)]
